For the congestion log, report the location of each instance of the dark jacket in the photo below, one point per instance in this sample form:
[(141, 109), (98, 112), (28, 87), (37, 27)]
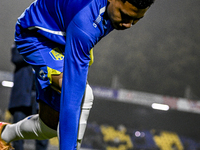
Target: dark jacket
[(22, 91)]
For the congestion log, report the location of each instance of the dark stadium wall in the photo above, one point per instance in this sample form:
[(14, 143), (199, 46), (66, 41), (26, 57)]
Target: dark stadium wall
[(144, 118)]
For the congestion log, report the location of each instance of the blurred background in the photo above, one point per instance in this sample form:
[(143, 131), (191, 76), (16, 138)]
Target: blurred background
[(155, 60)]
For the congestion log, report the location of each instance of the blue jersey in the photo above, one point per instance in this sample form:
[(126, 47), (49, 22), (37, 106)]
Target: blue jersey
[(52, 18), (78, 25)]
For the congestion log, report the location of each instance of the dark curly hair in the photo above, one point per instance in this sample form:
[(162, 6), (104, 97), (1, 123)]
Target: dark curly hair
[(141, 4)]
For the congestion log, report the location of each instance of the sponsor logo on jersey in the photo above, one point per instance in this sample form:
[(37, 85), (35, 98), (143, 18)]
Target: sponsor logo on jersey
[(56, 54), (98, 19)]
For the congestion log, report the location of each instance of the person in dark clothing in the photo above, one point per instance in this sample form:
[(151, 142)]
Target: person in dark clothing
[(22, 100)]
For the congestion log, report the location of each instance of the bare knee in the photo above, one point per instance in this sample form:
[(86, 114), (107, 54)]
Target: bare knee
[(48, 115), (57, 82)]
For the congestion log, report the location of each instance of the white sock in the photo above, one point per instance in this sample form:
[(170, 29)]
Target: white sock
[(86, 107), (58, 135), (31, 127)]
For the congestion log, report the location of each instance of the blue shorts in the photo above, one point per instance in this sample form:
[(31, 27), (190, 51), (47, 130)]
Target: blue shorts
[(46, 58)]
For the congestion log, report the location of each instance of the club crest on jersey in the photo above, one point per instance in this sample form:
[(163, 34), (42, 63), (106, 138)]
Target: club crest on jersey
[(56, 54), (42, 74)]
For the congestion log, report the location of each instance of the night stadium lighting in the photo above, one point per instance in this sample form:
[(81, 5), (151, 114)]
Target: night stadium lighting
[(157, 106), (137, 133), (7, 83)]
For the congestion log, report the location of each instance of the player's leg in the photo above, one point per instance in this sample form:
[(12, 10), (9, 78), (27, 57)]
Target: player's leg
[(39, 144), (85, 110), (44, 125), (48, 115), (26, 126), (33, 127)]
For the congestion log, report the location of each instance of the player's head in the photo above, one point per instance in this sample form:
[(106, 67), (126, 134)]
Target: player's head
[(125, 13), (141, 4)]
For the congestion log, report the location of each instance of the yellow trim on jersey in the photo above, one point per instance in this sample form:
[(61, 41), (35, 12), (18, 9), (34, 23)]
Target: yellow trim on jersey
[(52, 72), (56, 54), (91, 57), (56, 72)]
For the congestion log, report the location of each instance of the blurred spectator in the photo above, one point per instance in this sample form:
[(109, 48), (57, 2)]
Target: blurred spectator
[(22, 100)]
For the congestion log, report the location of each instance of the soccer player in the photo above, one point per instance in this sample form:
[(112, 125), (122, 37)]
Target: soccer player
[(56, 38)]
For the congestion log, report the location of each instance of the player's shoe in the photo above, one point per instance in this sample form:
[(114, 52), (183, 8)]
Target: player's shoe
[(3, 144)]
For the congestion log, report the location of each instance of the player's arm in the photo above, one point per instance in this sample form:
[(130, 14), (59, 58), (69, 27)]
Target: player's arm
[(77, 57)]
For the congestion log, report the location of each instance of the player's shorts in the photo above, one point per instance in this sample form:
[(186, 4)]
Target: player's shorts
[(46, 58)]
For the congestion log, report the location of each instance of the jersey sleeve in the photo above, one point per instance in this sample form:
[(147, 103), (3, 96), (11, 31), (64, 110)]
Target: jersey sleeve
[(77, 57)]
